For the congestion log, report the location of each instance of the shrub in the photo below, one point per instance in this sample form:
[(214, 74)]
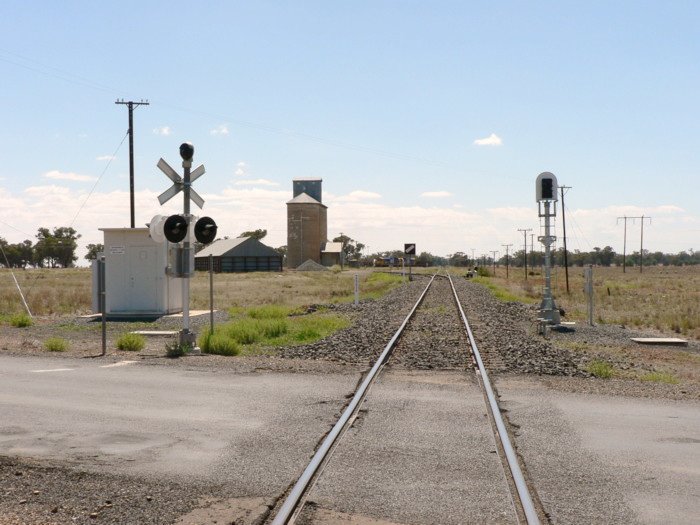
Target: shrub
[(131, 342), (56, 344), (600, 369), (21, 320), (218, 344), (482, 271), (175, 350)]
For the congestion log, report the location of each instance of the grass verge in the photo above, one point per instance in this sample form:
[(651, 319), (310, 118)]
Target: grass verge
[(256, 329)]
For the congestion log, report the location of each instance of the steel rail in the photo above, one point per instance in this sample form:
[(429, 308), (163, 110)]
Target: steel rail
[(305, 481), (521, 486)]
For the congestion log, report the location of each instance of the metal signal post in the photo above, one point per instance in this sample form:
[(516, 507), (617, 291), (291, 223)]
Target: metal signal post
[(546, 197), (176, 229)]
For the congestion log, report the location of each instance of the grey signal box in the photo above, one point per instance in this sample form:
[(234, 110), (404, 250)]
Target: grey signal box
[(546, 187)]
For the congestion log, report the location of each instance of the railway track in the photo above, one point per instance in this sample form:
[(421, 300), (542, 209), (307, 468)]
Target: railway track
[(434, 335)]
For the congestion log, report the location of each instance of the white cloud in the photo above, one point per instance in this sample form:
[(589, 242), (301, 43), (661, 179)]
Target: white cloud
[(163, 130), (106, 157), (440, 229), (241, 169), (221, 129), (491, 140), (436, 194), (256, 182), (354, 196), (60, 175)]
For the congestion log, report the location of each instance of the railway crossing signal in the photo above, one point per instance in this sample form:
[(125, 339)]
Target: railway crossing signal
[(176, 229)]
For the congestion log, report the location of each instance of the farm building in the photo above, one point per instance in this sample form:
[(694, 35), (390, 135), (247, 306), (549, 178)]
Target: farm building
[(243, 254), (332, 253)]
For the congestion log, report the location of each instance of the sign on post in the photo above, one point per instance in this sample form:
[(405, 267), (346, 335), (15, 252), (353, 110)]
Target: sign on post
[(409, 249)]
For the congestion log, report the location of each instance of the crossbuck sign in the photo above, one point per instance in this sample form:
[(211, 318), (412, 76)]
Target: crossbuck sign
[(179, 184)]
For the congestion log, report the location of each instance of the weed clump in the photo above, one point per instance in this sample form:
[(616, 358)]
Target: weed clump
[(131, 342), (600, 369), (174, 350), (660, 377), (220, 344), (21, 320), (56, 344)]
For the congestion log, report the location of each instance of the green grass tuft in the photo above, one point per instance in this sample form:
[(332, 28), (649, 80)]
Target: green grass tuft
[(601, 369), (660, 377), (131, 342), (56, 344), (244, 331), (21, 320), (270, 311), (218, 344)]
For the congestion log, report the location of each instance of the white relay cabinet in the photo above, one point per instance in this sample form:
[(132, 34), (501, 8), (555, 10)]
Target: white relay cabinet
[(137, 280)]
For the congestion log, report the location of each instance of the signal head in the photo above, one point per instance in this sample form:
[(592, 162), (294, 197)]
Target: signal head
[(205, 230), (186, 151), (175, 228)]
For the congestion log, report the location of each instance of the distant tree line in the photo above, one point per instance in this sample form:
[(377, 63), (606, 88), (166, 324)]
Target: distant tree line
[(52, 249), (56, 249), (597, 257)]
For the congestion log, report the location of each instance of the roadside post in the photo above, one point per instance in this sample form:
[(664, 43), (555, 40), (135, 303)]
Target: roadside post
[(211, 293), (357, 289), (102, 286), (409, 249), (588, 289)]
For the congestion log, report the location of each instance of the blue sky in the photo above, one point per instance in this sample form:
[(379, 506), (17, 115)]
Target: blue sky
[(428, 121)]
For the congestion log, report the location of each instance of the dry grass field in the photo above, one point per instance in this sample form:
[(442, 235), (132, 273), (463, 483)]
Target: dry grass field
[(59, 291), (666, 299)]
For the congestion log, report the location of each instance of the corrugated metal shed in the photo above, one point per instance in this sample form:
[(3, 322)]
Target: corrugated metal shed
[(332, 253), (243, 254)]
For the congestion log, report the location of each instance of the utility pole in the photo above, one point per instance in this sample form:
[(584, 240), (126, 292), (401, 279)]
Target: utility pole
[(525, 230), (506, 246), (532, 249), (641, 245), (131, 104), (473, 259), (624, 244), (494, 252), (563, 220)]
